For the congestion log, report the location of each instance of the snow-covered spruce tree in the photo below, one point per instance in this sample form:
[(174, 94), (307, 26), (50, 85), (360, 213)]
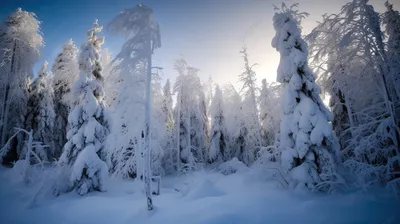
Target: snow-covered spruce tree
[(190, 122), (170, 154), (235, 123), (218, 135), (249, 107), (201, 127), (20, 42), (41, 116), (83, 154), (270, 118), (182, 139), (270, 113), (158, 126), (307, 140), (128, 72), (144, 36), (65, 72)]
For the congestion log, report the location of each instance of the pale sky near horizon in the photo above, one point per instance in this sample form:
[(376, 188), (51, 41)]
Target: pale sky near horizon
[(208, 33)]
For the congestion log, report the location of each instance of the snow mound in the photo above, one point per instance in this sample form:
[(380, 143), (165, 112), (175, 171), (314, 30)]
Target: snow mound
[(232, 166), (205, 189), (19, 168)]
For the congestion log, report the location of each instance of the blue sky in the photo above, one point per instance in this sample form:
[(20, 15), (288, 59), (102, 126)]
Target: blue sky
[(209, 33)]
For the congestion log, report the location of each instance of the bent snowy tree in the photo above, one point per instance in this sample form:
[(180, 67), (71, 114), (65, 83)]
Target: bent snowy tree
[(307, 140), (83, 154)]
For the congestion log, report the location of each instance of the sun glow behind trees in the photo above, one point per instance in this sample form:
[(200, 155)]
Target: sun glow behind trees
[(122, 121)]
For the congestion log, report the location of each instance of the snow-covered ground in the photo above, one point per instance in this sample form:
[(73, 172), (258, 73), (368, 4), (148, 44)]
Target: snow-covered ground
[(201, 197)]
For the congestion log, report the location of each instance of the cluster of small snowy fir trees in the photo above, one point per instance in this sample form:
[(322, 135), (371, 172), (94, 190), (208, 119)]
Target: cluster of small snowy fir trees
[(91, 111)]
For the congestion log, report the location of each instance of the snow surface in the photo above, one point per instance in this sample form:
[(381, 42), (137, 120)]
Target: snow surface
[(201, 197)]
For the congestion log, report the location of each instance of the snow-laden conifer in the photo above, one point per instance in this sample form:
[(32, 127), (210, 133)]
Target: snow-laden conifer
[(65, 72), (41, 116), (84, 155), (307, 140)]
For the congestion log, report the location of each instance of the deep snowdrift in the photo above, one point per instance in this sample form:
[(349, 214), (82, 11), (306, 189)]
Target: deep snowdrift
[(201, 197)]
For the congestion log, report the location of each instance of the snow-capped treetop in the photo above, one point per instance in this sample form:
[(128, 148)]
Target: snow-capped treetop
[(136, 21), (294, 53), (65, 67), (43, 78), (248, 77), (308, 142), (288, 42), (23, 26), (43, 70), (136, 24), (22, 30), (90, 50), (41, 82)]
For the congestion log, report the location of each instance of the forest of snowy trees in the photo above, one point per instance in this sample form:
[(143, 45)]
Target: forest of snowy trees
[(92, 115)]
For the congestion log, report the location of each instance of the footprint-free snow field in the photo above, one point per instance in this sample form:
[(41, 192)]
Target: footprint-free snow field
[(200, 197)]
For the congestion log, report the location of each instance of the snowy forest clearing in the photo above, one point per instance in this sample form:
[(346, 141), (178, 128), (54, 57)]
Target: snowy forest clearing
[(103, 127), (201, 197)]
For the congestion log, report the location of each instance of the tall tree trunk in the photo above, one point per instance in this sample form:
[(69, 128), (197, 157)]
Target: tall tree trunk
[(178, 128), (147, 170), (4, 132), (189, 136)]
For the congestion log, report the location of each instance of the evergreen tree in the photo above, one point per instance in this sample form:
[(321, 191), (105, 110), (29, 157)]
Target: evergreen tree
[(218, 144), (170, 154), (307, 140), (249, 107), (129, 72), (235, 123), (269, 112), (200, 136), (158, 130), (190, 112), (65, 72), (41, 116), (83, 154)]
